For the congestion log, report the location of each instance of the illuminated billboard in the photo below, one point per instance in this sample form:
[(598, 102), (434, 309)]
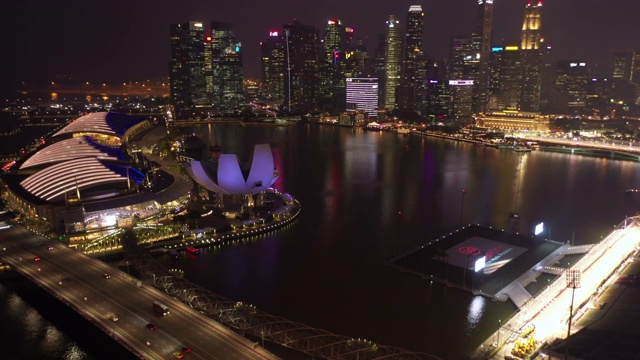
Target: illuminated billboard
[(539, 229)]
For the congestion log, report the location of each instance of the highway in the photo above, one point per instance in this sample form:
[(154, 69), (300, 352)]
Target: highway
[(82, 283)]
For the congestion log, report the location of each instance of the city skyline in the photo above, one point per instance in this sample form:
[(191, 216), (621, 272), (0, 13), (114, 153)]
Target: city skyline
[(123, 41)]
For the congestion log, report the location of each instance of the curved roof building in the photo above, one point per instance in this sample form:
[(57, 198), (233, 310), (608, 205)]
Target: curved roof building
[(227, 177), (82, 178)]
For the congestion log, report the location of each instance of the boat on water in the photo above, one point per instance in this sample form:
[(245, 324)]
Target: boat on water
[(193, 251), (403, 131), (521, 149)]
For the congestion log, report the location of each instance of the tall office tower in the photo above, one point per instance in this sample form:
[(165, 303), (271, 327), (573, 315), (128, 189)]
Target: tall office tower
[(228, 80), (547, 80), (572, 78), (377, 70), (510, 78), (186, 68), (273, 67), (437, 101), (463, 74), (208, 68), (356, 57), (531, 38), (530, 46), (623, 84), (482, 39), (362, 94), (302, 53), (412, 53), (392, 64), (332, 66)]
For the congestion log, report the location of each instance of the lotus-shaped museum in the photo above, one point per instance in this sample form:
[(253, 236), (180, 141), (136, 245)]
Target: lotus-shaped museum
[(227, 177)]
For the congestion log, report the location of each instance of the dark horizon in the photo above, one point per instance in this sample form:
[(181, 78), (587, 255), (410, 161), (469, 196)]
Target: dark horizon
[(122, 40)]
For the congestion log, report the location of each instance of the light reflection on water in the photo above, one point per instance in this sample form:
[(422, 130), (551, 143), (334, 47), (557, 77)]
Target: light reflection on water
[(475, 312)]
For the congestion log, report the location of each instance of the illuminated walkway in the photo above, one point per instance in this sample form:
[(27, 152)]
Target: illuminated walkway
[(548, 312)]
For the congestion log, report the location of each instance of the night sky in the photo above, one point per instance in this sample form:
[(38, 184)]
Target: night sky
[(99, 40)]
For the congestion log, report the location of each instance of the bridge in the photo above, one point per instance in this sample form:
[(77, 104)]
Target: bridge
[(119, 304), (618, 149)]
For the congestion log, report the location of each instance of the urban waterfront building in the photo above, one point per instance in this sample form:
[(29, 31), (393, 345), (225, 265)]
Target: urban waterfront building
[(362, 94), (412, 55), (482, 38), (531, 42), (272, 51), (572, 79), (187, 68), (514, 120), (228, 83), (334, 65), (510, 78), (302, 54), (392, 62), (88, 181), (462, 74)]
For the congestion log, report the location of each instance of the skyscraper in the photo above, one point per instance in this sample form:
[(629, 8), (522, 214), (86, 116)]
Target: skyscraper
[(273, 66), (412, 54), (532, 26), (392, 64), (572, 78), (531, 49), (228, 94), (362, 94), (482, 40), (186, 68), (623, 84), (301, 56), (332, 66)]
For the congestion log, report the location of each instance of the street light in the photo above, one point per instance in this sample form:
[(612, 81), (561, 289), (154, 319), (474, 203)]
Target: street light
[(573, 282), (464, 191)]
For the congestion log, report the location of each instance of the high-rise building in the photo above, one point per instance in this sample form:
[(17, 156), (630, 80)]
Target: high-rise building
[(530, 47), (623, 83), (378, 66), (228, 92), (482, 39), (273, 67), (547, 80), (463, 74), (186, 68), (412, 54), (392, 63), (510, 78), (572, 78), (362, 94), (531, 28), (302, 50), (332, 66)]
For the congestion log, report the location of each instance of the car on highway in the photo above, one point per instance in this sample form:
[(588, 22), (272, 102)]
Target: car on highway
[(114, 317), (50, 247), (178, 354), (36, 259), (185, 349), (151, 326), (106, 276)]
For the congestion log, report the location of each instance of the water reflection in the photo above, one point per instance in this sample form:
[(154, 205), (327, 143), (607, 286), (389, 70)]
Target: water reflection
[(475, 312)]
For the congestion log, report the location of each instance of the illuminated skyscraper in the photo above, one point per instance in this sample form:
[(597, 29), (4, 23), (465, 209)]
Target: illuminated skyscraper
[(228, 93), (362, 94), (301, 56), (412, 54), (531, 28), (332, 66), (572, 78), (482, 40), (186, 68), (273, 66), (531, 47), (392, 64)]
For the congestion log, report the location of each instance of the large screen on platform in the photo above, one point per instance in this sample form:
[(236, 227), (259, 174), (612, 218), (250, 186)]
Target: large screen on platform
[(496, 254)]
